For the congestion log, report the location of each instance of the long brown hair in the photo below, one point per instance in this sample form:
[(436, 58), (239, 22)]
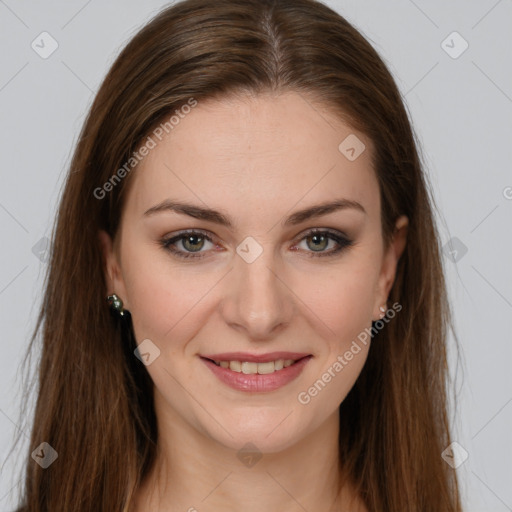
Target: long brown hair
[(95, 401)]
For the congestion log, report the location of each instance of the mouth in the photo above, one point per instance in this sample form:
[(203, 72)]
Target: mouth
[(268, 374)]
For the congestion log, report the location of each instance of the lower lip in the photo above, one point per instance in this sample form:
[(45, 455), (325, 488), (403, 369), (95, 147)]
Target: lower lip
[(256, 382)]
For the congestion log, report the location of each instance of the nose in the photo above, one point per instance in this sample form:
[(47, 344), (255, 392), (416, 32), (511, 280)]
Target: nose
[(258, 302)]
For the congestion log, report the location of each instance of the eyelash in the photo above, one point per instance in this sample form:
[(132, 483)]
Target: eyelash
[(342, 241)]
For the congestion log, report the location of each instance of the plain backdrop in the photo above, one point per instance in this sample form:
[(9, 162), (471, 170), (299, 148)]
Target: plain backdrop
[(458, 90)]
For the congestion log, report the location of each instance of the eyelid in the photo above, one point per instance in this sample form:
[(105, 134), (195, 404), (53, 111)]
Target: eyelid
[(312, 231)]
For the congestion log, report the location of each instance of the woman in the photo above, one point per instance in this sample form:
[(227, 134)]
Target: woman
[(247, 195)]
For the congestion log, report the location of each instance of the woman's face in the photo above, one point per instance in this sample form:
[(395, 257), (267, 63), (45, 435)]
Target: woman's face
[(251, 283)]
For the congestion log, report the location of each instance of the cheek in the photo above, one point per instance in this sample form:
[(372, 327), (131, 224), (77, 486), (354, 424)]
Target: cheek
[(165, 297), (341, 298), (342, 305)]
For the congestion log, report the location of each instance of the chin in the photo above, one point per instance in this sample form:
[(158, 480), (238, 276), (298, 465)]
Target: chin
[(269, 433)]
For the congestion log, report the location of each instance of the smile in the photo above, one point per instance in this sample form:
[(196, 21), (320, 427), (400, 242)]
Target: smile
[(256, 376)]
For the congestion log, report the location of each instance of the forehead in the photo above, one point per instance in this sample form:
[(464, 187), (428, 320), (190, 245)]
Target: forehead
[(261, 154)]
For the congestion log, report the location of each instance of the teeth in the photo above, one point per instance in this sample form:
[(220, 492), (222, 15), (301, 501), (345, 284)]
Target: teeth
[(250, 368), (264, 368), (236, 366)]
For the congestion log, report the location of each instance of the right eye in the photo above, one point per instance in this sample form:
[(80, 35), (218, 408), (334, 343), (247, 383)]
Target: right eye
[(191, 242)]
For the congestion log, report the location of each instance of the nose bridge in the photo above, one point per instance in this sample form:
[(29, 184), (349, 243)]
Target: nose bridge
[(261, 301)]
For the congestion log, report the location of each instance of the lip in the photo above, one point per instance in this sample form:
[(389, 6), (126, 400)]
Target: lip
[(256, 382), (255, 358)]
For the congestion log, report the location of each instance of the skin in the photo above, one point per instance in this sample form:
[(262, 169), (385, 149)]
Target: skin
[(258, 159)]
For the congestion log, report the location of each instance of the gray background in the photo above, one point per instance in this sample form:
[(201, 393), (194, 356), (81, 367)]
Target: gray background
[(460, 108)]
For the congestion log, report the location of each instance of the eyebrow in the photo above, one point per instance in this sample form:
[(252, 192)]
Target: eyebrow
[(217, 217)]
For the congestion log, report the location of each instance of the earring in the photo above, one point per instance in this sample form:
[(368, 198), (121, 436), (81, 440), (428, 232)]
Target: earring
[(116, 304), (382, 311)]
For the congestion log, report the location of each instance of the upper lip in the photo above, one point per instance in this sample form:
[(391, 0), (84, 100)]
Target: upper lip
[(255, 358)]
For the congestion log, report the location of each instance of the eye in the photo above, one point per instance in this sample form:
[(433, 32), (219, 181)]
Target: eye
[(191, 244), (318, 240)]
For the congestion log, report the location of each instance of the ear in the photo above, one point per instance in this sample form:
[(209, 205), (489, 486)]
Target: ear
[(389, 265), (112, 268)]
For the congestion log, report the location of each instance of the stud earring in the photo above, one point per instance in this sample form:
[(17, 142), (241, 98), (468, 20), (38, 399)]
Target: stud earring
[(382, 311), (116, 304)]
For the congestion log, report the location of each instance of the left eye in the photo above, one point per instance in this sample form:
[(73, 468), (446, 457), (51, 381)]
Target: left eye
[(318, 241), (193, 241)]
